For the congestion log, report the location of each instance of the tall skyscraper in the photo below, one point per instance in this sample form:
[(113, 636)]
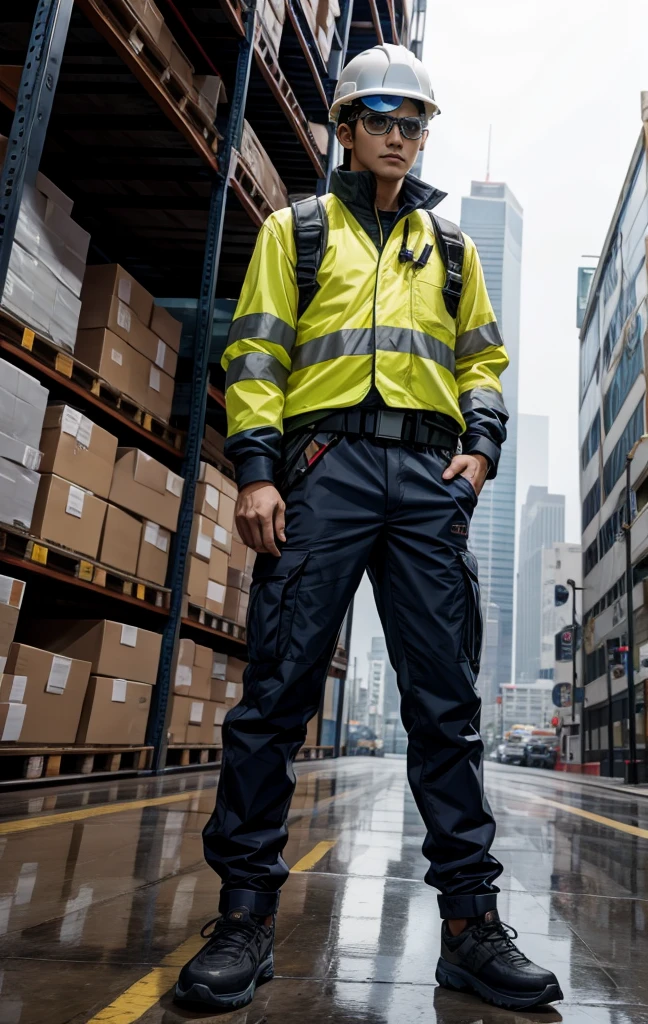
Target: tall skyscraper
[(543, 526), (492, 216)]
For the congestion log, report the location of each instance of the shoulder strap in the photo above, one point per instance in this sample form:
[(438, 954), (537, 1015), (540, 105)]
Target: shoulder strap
[(451, 249), (310, 228)]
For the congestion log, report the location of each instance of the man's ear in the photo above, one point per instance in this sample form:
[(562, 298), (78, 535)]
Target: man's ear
[(345, 136), (424, 138)]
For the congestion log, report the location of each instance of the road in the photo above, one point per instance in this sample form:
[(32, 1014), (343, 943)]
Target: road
[(103, 892)]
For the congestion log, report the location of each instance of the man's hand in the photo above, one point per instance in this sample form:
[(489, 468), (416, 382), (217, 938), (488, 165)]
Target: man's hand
[(260, 516), (473, 467)]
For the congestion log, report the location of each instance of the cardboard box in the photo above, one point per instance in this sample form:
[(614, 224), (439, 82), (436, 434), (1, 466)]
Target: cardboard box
[(34, 294), (153, 389), (121, 320), (226, 508), (202, 670), (77, 450), (238, 556), (215, 600), (19, 452), (197, 581), (236, 605), (22, 405), (207, 501), (218, 736), (166, 327), (153, 557), (126, 369), (200, 542), (68, 515), (18, 492), (184, 667), (193, 671), (53, 689), (210, 475), (253, 152), (219, 665), (149, 16), (47, 232), (180, 707), (12, 719), (235, 669), (225, 692), (200, 729), (114, 711), (120, 540), (181, 66), (218, 566), (100, 284), (146, 487), (220, 710), (113, 648), (11, 595), (209, 92), (222, 538)]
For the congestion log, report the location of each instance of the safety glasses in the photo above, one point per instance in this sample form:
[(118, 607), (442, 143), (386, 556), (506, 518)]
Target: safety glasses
[(381, 124)]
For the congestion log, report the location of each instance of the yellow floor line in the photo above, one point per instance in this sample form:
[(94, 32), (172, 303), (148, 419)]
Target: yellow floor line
[(132, 1004), (620, 826)]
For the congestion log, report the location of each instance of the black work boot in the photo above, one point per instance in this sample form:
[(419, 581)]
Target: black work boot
[(235, 959), (484, 959)]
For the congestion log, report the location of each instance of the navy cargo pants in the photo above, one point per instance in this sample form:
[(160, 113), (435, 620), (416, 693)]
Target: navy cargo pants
[(384, 507)]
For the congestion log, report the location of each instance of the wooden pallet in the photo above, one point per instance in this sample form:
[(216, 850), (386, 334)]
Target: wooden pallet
[(19, 763), (184, 755), (18, 546), (193, 614), (274, 76), (38, 351), (254, 201), (314, 753)]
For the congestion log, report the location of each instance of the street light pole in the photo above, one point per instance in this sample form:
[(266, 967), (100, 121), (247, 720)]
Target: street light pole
[(574, 588), (632, 710)]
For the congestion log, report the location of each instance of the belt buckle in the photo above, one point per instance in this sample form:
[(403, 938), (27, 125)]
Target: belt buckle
[(389, 424)]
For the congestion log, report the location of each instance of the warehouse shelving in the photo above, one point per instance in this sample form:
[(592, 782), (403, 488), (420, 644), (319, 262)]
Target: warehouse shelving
[(172, 201)]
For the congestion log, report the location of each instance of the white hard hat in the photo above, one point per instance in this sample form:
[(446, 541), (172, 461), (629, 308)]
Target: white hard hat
[(383, 75)]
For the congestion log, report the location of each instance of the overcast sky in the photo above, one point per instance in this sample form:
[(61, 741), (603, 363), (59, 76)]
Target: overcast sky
[(560, 83)]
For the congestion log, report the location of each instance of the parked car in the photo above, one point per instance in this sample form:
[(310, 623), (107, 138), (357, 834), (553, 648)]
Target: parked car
[(363, 741), (541, 752), (515, 746)]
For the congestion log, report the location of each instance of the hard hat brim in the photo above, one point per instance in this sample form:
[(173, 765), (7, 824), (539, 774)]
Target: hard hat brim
[(383, 104), (431, 108)]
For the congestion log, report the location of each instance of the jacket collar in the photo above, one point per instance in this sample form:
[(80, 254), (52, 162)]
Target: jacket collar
[(357, 190)]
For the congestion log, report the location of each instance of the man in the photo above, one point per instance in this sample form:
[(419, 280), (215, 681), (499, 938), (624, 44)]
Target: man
[(351, 379)]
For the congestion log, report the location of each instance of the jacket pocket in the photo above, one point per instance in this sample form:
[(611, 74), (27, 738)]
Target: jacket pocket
[(273, 600), (473, 624)]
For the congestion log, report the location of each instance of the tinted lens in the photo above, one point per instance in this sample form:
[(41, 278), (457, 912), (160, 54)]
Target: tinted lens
[(376, 124), (411, 127)]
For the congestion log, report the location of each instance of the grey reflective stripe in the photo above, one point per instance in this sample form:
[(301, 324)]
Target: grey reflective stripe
[(474, 341), (257, 366), (262, 327), (353, 341), (402, 339), (482, 398), (358, 341)]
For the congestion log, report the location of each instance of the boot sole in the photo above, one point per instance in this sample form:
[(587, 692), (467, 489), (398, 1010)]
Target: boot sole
[(202, 995), (458, 980)]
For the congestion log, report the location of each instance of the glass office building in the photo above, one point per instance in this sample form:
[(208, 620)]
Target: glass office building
[(492, 216)]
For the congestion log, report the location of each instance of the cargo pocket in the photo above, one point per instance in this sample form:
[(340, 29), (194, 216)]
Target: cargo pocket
[(473, 626), (273, 600)]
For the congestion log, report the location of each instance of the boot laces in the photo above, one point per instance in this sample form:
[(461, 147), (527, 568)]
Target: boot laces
[(227, 938), (500, 936)]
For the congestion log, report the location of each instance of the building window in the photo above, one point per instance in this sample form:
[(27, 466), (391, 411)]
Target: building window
[(615, 463), (592, 441), (592, 504)]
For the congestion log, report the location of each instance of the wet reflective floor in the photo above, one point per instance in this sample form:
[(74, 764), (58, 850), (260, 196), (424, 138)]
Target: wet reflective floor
[(103, 891)]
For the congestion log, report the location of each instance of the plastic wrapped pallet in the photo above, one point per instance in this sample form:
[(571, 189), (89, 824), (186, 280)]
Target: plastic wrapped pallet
[(273, 17), (261, 166)]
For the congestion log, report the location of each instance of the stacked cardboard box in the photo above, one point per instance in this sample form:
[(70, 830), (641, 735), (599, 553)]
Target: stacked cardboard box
[(207, 92), (123, 662), (321, 16), (203, 694), (211, 540), (262, 168), (239, 579), (22, 408), (127, 340), (273, 17), (49, 690), (46, 263), (151, 492), (11, 596)]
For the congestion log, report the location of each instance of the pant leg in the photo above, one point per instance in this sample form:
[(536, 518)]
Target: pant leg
[(426, 587), (297, 604)]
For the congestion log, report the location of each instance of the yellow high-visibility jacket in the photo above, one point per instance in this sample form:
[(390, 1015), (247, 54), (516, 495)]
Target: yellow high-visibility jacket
[(373, 321)]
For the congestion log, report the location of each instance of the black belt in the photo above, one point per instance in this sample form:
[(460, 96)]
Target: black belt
[(391, 425)]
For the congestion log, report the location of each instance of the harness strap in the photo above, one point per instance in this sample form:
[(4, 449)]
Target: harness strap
[(451, 249), (310, 226)]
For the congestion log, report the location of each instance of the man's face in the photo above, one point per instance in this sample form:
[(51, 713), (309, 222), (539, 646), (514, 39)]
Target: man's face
[(390, 156)]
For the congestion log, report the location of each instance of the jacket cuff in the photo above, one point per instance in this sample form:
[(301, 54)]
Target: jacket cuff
[(480, 445), (253, 470)]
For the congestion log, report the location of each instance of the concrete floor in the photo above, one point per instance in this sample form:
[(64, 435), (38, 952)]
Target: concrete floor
[(103, 891)]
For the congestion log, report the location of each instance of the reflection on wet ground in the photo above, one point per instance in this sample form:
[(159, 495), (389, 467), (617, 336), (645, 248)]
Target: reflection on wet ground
[(95, 905)]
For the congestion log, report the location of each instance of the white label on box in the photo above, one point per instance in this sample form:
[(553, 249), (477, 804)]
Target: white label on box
[(212, 496), (59, 673), (17, 691), (124, 316), (75, 501), (161, 353), (124, 290), (183, 675), (154, 378), (174, 484), (3, 665), (13, 722), (215, 592), (31, 458), (6, 591), (220, 535), (219, 666), (119, 691), (70, 421), (151, 533), (116, 357), (219, 715), (204, 545), (128, 635), (162, 542), (196, 713), (231, 690), (84, 433)]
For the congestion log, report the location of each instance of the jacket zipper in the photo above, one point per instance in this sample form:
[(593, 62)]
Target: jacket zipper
[(375, 298)]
